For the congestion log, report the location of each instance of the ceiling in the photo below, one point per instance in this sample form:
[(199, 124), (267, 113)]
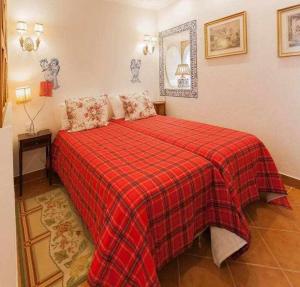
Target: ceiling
[(147, 4)]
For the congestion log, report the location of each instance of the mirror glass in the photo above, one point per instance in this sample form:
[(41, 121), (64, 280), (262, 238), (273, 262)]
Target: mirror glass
[(177, 51)]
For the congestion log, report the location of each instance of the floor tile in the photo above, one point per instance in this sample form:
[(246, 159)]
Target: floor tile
[(196, 272), (59, 283), (294, 195), (84, 284), (258, 252), (294, 278), (285, 246), (169, 276), (275, 217), (34, 188), (253, 276)]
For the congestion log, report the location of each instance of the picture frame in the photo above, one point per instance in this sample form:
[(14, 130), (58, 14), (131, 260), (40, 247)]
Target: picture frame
[(226, 36), (288, 31)]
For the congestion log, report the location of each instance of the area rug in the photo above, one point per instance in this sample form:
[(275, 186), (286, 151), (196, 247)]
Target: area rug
[(54, 247)]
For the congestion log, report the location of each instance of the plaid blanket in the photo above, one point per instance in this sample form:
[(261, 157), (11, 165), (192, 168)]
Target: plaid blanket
[(244, 162), (142, 199)]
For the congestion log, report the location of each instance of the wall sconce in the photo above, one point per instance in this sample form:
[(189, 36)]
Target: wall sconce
[(27, 43), (150, 42)]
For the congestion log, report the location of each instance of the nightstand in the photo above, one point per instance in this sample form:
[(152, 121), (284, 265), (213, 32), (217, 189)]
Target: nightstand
[(160, 107), (30, 142)]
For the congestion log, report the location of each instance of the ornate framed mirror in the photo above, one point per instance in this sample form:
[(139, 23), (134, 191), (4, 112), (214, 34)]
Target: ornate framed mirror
[(178, 61)]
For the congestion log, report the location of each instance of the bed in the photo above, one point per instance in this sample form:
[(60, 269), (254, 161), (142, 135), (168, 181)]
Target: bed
[(244, 162), (143, 200)]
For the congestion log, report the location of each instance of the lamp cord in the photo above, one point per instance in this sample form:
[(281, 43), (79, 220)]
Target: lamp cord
[(41, 108)]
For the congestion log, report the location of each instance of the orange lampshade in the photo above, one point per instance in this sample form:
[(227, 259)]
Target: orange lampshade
[(46, 89)]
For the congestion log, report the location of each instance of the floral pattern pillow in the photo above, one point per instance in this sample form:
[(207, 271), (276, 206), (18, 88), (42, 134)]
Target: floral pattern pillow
[(137, 107), (87, 113)]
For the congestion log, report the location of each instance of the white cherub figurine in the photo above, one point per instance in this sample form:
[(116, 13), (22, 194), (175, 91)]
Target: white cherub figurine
[(51, 71), (135, 67)]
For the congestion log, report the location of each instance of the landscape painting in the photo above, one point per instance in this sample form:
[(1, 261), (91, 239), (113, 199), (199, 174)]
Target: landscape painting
[(226, 36)]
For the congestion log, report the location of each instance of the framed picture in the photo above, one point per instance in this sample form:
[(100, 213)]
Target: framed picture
[(226, 36), (289, 31)]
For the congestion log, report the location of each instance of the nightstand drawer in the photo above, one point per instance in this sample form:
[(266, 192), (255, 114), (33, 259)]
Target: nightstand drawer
[(35, 143)]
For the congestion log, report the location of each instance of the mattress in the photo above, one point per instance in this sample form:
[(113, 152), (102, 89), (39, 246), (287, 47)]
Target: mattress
[(143, 200)]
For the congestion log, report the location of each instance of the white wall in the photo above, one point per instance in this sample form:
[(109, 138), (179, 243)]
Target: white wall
[(8, 247), (258, 92), (94, 41)]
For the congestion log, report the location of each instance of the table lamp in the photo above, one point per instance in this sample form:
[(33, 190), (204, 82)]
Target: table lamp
[(182, 71)]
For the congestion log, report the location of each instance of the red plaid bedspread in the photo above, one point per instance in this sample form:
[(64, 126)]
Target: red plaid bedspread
[(244, 162), (142, 199)]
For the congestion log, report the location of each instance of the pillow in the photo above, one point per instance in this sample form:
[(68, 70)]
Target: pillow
[(64, 121), (87, 113), (137, 107), (117, 107)]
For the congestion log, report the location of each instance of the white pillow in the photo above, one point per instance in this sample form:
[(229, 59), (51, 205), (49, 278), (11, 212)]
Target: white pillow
[(64, 121), (117, 107)]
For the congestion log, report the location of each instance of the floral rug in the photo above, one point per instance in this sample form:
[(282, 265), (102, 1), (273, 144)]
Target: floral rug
[(55, 249)]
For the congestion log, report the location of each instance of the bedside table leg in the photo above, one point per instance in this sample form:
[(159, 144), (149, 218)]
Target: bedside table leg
[(21, 171), (47, 161), (50, 164)]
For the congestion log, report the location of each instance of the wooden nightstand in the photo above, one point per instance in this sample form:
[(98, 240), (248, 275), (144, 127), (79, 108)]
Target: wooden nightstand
[(160, 107), (30, 142)]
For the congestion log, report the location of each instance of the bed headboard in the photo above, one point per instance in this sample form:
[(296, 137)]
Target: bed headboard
[(3, 61)]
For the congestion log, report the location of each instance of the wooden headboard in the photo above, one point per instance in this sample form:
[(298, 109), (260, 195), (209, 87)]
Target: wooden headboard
[(3, 61)]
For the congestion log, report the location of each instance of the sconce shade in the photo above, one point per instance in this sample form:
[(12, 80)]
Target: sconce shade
[(23, 95), (22, 27), (183, 70), (38, 28), (46, 88)]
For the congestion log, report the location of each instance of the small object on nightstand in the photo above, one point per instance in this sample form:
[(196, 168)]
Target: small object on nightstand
[(30, 142), (160, 107)]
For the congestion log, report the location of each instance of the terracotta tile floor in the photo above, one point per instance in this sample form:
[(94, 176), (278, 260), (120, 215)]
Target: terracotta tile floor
[(272, 260)]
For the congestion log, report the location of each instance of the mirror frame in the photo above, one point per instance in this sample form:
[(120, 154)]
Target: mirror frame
[(193, 91)]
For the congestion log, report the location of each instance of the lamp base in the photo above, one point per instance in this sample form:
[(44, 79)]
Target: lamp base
[(32, 133), (35, 133), (183, 83), (31, 130)]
